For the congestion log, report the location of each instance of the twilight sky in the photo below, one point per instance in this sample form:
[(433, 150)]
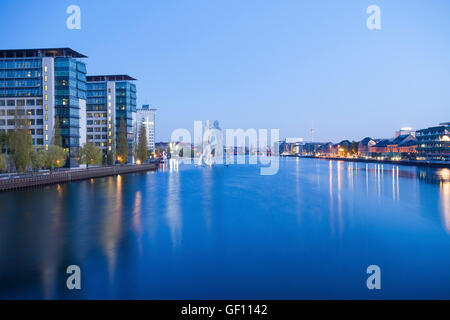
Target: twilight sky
[(286, 64)]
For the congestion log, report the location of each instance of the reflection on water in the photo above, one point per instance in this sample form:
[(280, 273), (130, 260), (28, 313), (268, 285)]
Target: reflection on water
[(173, 213), (444, 176), (198, 232)]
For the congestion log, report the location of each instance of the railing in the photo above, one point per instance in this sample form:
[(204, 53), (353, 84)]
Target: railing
[(68, 176)]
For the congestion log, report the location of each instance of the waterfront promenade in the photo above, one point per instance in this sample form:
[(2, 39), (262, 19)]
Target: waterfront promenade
[(72, 175), (417, 163)]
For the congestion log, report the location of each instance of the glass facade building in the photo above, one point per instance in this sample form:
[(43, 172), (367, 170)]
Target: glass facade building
[(45, 83), (434, 143), (109, 99)]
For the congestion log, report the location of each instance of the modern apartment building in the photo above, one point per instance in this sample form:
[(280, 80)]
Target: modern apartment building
[(434, 143), (146, 117), (45, 83), (110, 98)]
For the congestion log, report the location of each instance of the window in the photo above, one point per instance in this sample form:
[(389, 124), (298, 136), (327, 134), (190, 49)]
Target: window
[(45, 68), (46, 127), (46, 97), (39, 112), (46, 107), (20, 103), (30, 102), (46, 137), (46, 88), (45, 78), (11, 103), (2, 103)]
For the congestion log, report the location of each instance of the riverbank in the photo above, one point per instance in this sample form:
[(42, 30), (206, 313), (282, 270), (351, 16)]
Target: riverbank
[(417, 163), (73, 175)]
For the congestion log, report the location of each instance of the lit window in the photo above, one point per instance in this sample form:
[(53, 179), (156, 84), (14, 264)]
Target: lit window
[(46, 117), (45, 78), (46, 88), (46, 137), (46, 107), (46, 147), (45, 68), (46, 97), (46, 127)]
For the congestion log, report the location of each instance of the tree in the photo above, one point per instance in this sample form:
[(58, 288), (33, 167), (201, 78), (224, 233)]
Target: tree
[(3, 163), (5, 139), (122, 143), (354, 146), (142, 151), (57, 139), (39, 159), (21, 143), (90, 154), (56, 157)]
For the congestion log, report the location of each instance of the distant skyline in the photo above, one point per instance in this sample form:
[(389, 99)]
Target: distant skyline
[(260, 64)]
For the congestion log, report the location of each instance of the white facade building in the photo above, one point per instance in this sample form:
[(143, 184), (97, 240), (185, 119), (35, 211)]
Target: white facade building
[(146, 117)]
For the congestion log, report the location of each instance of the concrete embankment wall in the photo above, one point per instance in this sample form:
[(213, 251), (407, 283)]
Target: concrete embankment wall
[(75, 175)]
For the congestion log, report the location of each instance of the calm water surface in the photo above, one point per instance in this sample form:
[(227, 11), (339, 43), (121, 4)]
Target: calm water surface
[(227, 232)]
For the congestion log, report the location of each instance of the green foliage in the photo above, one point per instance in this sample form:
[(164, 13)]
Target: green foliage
[(5, 139), (39, 159), (55, 157), (90, 154), (57, 140), (110, 157), (354, 147), (3, 163), (122, 143), (21, 142), (142, 151)]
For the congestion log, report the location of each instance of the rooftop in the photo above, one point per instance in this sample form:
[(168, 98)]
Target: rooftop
[(146, 107), (44, 52), (116, 77)]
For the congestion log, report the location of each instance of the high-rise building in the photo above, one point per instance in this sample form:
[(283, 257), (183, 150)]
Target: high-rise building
[(434, 143), (45, 83), (146, 117), (110, 98)]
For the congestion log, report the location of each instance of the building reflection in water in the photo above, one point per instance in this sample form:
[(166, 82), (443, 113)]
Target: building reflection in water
[(331, 205), (173, 208), (137, 219), (206, 196), (50, 256), (444, 186), (112, 224), (339, 198)]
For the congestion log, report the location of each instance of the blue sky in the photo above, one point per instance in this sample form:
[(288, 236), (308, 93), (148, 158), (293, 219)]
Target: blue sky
[(258, 63)]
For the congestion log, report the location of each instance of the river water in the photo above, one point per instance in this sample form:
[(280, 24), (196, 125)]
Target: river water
[(185, 232)]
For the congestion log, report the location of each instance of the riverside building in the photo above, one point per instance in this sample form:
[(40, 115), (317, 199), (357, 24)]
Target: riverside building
[(146, 117), (110, 98), (434, 142), (45, 83)]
